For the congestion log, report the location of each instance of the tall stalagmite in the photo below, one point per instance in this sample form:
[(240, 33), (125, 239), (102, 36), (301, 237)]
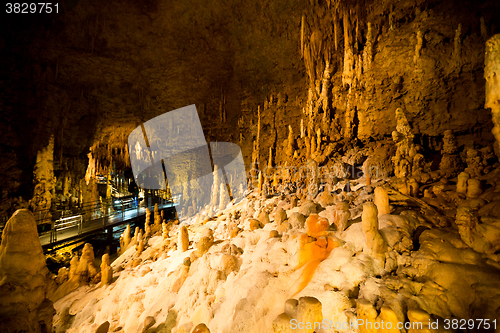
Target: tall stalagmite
[(24, 306), (492, 76)]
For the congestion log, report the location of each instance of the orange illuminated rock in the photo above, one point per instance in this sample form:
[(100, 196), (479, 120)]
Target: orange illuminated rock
[(311, 253), (367, 316), (381, 200), (316, 226), (376, 245)]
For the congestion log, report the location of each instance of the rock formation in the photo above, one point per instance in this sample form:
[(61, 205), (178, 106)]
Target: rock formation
[(375, 244), (183, 241), (24, 306), (106, 270), (491, 74)]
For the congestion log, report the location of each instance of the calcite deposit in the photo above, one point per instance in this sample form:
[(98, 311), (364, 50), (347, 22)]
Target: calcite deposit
[(367, 132), (24, 277)]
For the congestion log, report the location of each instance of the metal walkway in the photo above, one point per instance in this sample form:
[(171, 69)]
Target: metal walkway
[(79, 231), (62, 227)]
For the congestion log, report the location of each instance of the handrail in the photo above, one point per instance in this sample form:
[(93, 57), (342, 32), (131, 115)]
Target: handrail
[(100, 210), (76, 220)]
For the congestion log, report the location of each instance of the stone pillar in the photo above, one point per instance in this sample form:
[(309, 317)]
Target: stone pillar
[(24, 278), (492, 87), (44, 180)]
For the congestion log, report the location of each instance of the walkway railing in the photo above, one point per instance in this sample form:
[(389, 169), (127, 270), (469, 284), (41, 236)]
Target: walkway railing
[(91, 215)]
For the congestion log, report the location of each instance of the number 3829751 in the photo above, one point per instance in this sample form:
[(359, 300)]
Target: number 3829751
[(31, 8)]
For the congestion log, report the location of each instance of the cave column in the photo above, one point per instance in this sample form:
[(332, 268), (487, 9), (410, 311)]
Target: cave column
[(492, 87), (44, 180)]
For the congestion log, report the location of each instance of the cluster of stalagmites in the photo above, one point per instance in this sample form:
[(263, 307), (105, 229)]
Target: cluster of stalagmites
[(416, 236), (82, 271)]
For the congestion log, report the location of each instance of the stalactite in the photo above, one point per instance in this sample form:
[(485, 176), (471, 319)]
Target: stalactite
[(302, 28), (336, 29), (357, 38), (309, 63), (457, 43), (324, 91), (316, 44), (484, 30), (318, 139), (348, 74), (359, 67), (368, 49), (257, 146), (349, 115), (290, 142)]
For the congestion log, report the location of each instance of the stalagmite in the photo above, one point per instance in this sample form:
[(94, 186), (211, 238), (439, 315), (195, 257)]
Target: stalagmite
[(492, 86), (106, 270), (324, 92), (474, 163), (404, 145), (341, 215), (381, 200), (314, 144), (140, 246), (309, 310), (147, 229), (255, 224), (203, 245), (148, 216), (291, 307), (87, 268), (44, 179), (473, 188), (367, 313), (282, 324), (484, 236), (24, 278), (316, 226), (165, 234), (158, 218), (463, 177), (420, 321), (183, 241), (73, 266), (223, 197), (376, 245), (307, 142), (450, 160), (200, 328), (263, 217), (326, 198), (418, 46), (413, 187)]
